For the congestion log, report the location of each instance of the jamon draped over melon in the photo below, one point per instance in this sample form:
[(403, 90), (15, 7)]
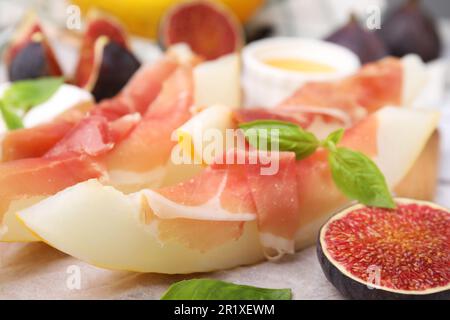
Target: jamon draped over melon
[(170, 110), (228, 215), (136, 97), (26, 181), (376, 85), (109, 142), (83, 141), (323, 107)]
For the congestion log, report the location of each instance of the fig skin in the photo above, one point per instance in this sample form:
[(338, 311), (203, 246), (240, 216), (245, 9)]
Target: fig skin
[(32, 61), (29, 63), (98, 24), (29, 54), (365, 44), (358, 291), (410, 30), (117, 66), (353, 289)]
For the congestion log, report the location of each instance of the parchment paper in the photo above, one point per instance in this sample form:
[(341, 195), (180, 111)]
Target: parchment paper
[(37, 271)]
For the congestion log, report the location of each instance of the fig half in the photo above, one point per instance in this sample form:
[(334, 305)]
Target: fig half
[(98, 24), (29, 54), (112, 67), (210, 29), (403, 253), (409, 29)]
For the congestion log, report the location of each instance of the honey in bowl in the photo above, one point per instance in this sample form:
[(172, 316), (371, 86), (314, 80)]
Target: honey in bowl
[(299, 65)]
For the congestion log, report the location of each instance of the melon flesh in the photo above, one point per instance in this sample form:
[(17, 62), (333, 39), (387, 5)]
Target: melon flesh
[(218, 82), (102, 226), (142, 159)]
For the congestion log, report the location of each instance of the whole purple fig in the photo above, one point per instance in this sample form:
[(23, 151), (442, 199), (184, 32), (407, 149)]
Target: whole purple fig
[(408, 29), (364, 43)]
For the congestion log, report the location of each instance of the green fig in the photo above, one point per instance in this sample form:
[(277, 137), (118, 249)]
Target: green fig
[(408, 29)]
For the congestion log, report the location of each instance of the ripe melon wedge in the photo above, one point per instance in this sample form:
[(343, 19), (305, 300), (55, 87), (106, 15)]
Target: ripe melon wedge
[(104, 227), (218, 81)]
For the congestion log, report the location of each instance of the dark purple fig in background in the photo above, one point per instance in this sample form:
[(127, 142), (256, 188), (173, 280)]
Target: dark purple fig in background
[(29, 54), (29, 63), (113, 67), (409, 29), (364, 43)]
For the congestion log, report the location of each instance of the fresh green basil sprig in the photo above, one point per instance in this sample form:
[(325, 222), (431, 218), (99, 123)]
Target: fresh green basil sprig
[(208, 289), (356, 175), (290, 137), (23, 95), (12, 120)]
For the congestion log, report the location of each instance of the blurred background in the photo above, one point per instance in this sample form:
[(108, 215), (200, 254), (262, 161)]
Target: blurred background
[(260, 18), (370, 28)]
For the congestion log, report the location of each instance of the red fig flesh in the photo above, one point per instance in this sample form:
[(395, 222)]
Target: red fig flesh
[(373, 253), (208, 28), (97, 24), (112, 67)]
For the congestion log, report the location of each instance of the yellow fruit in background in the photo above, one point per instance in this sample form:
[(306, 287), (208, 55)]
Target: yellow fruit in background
[(142, 16), (243, 9)]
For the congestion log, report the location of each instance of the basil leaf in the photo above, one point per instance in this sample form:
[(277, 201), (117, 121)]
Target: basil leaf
[(207, 289), (335, 137), (26, 94), (12, 120), (289, 137), (359, 178)]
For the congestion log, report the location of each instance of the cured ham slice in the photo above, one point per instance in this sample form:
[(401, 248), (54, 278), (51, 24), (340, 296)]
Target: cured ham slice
[(376, 85), (140, 91), (91, 137), (33, 142), (212, 222), (322, 107), (279, 114), (141, 159), (94, 136), (29, 180), (328, 105), (136, 97), (90, 141)]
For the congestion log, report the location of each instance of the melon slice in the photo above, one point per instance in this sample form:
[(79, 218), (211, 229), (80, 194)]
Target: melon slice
[(195, 135), (90, 137), (29, 180), (104, 227), (140, 160), (218, 82), (414, 78)]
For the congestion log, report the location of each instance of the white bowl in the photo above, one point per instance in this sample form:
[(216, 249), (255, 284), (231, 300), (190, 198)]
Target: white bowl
[(266, 86)]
